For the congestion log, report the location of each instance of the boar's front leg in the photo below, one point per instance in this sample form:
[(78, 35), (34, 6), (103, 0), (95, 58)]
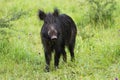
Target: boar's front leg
[(56, 59), (48, 59), (47, 52), (58, 50)]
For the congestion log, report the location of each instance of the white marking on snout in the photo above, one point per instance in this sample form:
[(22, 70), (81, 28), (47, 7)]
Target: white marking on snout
[(52, 32), (54, 37)]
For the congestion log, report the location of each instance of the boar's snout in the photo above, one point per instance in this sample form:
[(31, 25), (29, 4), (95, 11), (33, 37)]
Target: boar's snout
[(54, 37), (52, 32)]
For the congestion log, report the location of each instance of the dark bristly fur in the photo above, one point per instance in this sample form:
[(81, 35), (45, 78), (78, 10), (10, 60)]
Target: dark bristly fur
[(57, 31)]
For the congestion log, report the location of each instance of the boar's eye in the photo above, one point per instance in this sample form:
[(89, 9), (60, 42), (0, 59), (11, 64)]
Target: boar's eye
[(54, 21), (46, 22)]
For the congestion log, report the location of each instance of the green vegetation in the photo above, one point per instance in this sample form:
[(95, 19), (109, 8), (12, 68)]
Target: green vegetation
[(97, 50)]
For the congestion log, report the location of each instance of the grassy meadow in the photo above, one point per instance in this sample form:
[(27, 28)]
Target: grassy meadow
[(97, 49)]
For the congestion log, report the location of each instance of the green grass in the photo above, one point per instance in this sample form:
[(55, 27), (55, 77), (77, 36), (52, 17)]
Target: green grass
[(97, 50)]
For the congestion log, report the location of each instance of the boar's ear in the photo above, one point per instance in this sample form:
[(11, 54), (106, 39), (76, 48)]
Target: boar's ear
[(56, 12), (41, 15)]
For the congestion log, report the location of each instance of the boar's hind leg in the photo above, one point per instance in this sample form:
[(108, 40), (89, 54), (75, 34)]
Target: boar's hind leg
[(71, 48), (72, 43)]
